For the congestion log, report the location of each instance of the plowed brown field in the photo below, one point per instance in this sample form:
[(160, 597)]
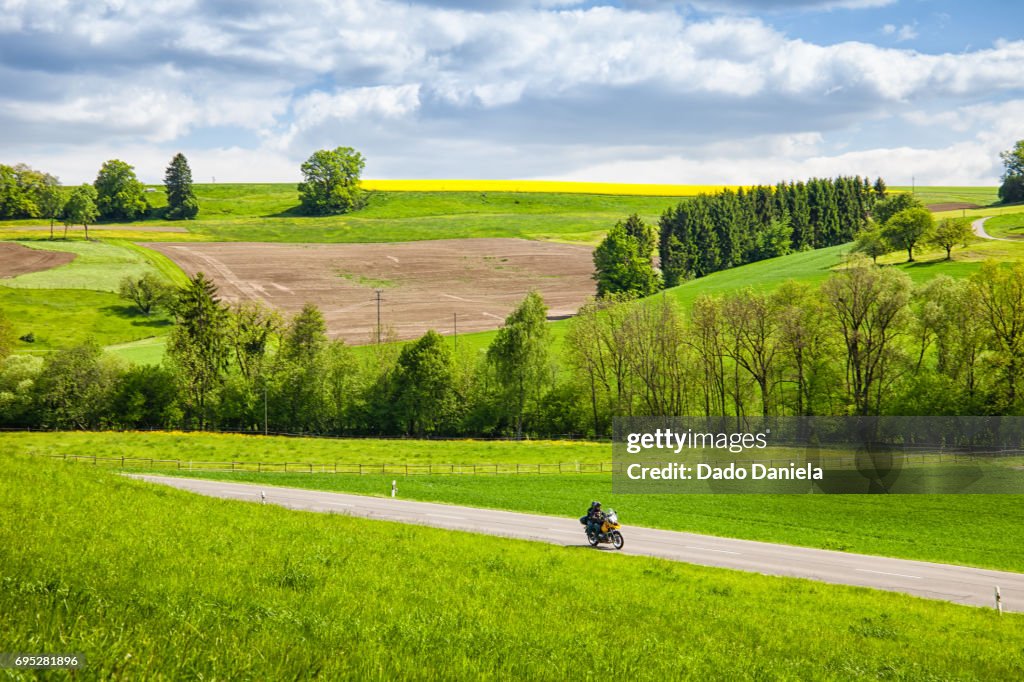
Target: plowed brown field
[(16, 259), (423, 284)]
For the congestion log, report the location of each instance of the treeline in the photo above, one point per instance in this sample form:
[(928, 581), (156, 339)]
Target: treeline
[(116, 195), (864, 342), (714, 232)]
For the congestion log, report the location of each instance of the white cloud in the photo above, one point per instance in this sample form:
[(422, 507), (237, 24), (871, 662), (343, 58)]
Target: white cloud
[(409, 78), (901, 34)]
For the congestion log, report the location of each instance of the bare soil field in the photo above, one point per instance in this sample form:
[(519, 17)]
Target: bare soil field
[(423, 284), (951, 206), (16, 259)]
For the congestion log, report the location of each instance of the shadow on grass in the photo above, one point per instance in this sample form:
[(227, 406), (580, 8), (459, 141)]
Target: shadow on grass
[(293, 212), (127, 312)]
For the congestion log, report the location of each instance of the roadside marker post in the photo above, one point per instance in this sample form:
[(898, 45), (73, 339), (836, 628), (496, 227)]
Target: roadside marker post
[(263, 497), (394, 488), (999, 601)]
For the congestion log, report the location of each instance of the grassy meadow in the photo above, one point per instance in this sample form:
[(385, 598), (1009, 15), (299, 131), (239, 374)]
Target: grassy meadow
[(68, 304), (1009, 225), (149, 582), (926, 527)]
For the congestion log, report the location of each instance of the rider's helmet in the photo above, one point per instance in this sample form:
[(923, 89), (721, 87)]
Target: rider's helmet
[(595, 505)]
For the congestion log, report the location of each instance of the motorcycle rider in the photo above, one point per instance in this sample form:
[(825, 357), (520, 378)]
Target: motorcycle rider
[(595, 517)]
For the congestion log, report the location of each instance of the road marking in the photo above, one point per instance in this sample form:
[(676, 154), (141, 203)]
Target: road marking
[(708, 549), (561, 530), (899, 575), (445, 516), (339, 504)]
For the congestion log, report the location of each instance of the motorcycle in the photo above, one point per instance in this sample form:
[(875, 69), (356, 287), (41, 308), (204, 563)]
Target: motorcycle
[(609, 532)]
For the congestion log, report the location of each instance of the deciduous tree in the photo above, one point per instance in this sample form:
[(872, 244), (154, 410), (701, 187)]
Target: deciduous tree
[(951, 232), (331, 182), (519, 355), (80, 209), (147, 292), (907, 228), (120, 195)]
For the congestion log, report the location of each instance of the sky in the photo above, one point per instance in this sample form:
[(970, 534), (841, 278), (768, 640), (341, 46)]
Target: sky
[(734, 92)]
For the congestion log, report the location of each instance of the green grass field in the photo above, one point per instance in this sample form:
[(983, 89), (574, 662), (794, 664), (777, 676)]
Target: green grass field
[(98, 266), (212, 447), (1011, 225), (148, 582), (61, 318), (269, 213), (66, 305), (927, 527)]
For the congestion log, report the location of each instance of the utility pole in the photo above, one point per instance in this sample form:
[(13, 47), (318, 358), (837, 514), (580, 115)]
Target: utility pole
[(378, 292)]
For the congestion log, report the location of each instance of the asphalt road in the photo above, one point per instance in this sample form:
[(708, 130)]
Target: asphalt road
[(959, 584), (979, 229)]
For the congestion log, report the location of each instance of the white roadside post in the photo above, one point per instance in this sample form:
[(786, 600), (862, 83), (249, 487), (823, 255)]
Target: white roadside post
[(263, 497), (999, 601), (394, 488)]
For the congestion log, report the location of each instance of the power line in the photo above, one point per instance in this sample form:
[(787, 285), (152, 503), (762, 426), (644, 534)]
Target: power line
[(378, 292)]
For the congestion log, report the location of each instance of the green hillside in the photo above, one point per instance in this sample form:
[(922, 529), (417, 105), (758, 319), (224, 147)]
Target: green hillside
[(147, 582)]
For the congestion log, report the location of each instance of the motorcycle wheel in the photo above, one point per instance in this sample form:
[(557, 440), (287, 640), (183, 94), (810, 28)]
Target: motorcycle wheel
[(592, 539), (617, 541)]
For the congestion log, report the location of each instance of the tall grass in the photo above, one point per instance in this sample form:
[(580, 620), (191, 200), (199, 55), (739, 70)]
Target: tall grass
[(153, 583)]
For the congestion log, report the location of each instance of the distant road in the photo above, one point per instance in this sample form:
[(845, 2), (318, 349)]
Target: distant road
[(979, 229), (959, 584)]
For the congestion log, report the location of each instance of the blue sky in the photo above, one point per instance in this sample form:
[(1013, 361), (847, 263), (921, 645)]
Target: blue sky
[(637, 90)]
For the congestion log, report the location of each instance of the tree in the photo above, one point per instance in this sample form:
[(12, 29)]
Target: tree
[(198, 346), (869, 306), (147, 292), (1013, 160), (871, 243), (891, 205), (908, 227), (1012, 189), (880, 189), (181, 201), (20, 190), (80, 209), (73, 390), (424, 384), (950, 232), (51, 203), (120, 195), (621, 267), (301, 378), (1000, 291), (331, 182), (519, 355), (751, 318)]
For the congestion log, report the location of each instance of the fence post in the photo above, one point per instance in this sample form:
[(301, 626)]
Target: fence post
[(259, 467), (122, 461)]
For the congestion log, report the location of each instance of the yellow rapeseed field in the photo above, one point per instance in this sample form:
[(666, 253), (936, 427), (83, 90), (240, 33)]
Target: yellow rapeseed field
[(548, 186)]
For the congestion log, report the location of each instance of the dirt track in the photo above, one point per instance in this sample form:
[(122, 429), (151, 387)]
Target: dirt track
[(16, 259), (423, 284)]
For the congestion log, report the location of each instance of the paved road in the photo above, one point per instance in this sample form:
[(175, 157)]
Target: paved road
[(958, 584), (979, 229)]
